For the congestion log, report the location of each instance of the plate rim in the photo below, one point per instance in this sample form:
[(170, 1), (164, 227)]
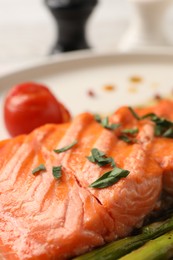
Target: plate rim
[(85, 55)]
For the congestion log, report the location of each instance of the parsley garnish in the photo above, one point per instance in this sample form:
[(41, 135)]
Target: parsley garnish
[(128, 135), (39, 168), (109, 178), (97, 118), (127, 139), (105, 122), (134, 113), (66, 148), (168, 133), (131, 131), (100, 158), (56, 171), (163, 127)]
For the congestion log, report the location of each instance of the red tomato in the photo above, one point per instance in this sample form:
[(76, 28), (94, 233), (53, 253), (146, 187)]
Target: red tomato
[(30, 105)]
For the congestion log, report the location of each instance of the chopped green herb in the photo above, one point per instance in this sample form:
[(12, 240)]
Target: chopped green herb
[(134, 113), (128, 135), (105, 123), (98, 118), (66, 148), (100, 158), (113, 163), (91, 159), (163, 127), (152, 116), (109, 178), (127, 139), (95, 155), (130, 131), (112, 126), (168, 133), (158, 120), (39, 168), (56, 171)]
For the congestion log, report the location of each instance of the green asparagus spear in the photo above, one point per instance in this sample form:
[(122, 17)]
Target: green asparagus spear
[(119, 248), (157, 249)]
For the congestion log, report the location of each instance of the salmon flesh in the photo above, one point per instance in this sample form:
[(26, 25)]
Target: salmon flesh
[(43, 217)]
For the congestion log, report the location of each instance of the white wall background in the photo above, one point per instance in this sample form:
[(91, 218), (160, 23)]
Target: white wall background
[(27, 30)]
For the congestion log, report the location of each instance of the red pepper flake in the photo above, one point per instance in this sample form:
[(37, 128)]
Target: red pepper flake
[(157, 97), (91, 93), (109, 88)]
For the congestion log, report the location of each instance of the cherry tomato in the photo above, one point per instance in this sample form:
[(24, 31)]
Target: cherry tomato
[(30, 105)]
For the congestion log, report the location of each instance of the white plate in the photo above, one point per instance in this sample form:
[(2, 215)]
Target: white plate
[(71, 76)]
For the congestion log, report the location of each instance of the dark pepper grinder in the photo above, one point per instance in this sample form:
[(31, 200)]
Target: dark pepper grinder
[(71, 17)]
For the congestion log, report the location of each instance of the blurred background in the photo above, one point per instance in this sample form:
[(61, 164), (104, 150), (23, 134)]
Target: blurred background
[(28, 31)]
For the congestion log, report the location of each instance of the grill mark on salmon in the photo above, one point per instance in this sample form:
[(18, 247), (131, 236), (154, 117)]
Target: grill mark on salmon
[(8, 150), (32, 199), (113, 200), (63, 218), (13, 165), (160, 148), (67, 225)]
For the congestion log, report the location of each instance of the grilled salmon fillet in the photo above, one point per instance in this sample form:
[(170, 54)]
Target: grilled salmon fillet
[(161, 149), (42, 217)]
